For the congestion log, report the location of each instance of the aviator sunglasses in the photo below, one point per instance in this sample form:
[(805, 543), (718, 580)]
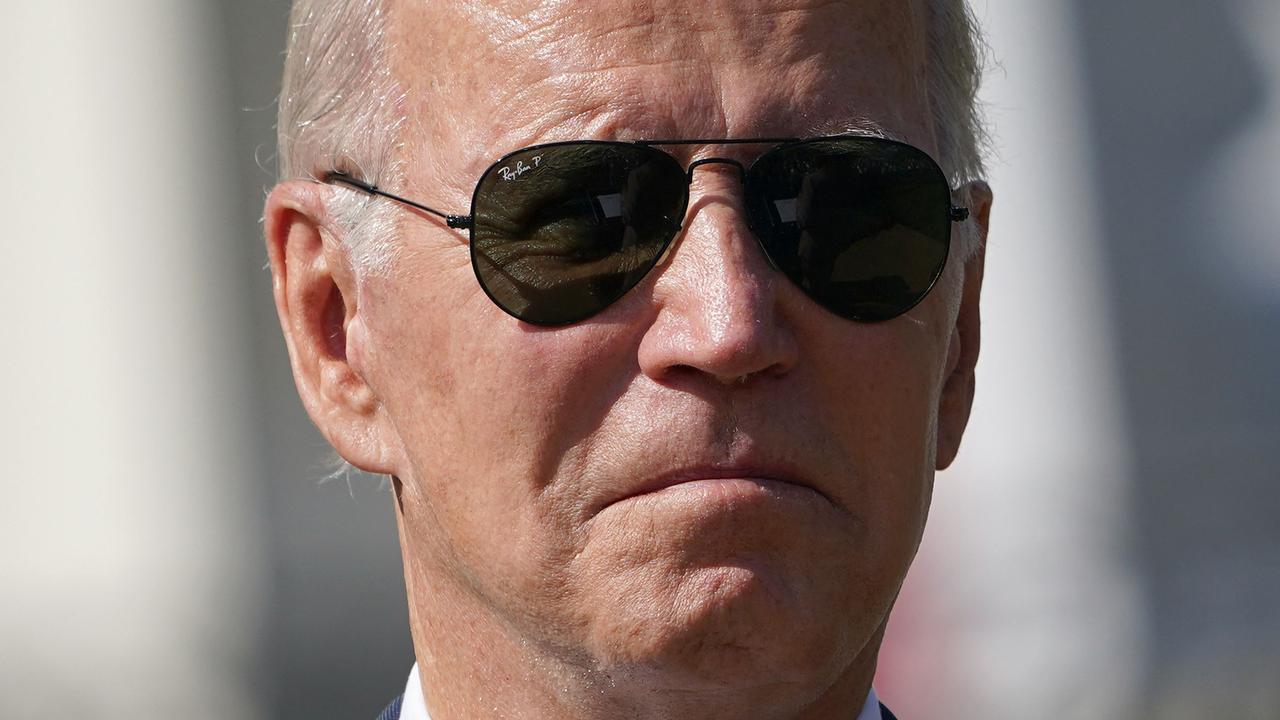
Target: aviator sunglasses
[(561, 231)]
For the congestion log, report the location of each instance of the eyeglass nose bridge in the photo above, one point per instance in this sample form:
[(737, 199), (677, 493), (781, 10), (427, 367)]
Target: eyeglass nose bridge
[(742, 176), (742, 169)]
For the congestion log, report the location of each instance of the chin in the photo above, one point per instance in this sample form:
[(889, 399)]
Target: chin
[(722, 627)]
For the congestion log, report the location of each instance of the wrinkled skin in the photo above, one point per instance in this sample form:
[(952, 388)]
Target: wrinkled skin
[(543, 581)]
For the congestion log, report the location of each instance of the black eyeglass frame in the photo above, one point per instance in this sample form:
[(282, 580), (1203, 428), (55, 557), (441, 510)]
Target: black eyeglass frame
[(955, 214), (465, 222)]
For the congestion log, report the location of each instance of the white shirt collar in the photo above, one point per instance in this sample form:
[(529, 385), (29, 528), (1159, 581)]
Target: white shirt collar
[(415, 705)]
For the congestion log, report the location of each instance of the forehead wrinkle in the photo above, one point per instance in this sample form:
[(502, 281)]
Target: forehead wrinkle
[(603, 103), (569, 35), (580, 108), (622, 101), (635, 35), (562, 69), (557, 107), (557, 32)]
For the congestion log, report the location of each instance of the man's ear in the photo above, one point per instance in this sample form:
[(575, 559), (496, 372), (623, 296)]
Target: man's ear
[(966, 337), (317, 300)]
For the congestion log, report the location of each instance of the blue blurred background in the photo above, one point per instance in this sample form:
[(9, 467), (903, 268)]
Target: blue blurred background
[(1107, 546)]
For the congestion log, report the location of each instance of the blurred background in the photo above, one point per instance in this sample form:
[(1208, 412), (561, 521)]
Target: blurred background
[(176, 545)]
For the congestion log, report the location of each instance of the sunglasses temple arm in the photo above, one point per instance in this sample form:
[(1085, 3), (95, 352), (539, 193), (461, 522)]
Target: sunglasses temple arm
[(959, 214), (458, 222)]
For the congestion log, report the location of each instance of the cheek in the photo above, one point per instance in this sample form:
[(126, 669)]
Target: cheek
[(488, 412), (886, 380)]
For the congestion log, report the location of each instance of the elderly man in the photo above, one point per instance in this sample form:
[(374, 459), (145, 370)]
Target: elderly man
[(660, 315)]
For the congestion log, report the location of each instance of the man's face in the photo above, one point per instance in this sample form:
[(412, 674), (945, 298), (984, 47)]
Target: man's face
[(714, 478)]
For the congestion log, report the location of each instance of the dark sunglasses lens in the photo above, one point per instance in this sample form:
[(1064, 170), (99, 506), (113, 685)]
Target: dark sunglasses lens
[(562, 231), (860, 224)]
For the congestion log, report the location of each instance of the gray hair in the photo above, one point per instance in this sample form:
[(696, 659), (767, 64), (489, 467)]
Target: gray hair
[(957, 59), (341, 107)]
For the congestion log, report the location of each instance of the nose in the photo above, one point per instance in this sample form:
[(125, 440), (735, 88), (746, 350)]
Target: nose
[(718, 310)]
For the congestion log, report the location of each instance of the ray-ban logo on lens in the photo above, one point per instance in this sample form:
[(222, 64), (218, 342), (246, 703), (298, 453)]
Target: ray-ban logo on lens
[(509, 173)]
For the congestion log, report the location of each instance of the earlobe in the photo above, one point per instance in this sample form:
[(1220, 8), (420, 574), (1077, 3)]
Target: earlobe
[(959, 384), (317, 300)]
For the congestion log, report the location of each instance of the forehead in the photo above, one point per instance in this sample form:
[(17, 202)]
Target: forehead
[(489, 77)]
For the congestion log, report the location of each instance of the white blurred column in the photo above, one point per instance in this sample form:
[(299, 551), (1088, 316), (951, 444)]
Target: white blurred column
[(1022, 603), (130, 574)]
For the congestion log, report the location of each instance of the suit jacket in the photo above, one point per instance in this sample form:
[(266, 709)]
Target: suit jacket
[(393, 711)]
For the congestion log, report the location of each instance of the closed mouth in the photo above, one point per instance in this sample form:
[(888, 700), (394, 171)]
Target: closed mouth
[(769, 477)]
